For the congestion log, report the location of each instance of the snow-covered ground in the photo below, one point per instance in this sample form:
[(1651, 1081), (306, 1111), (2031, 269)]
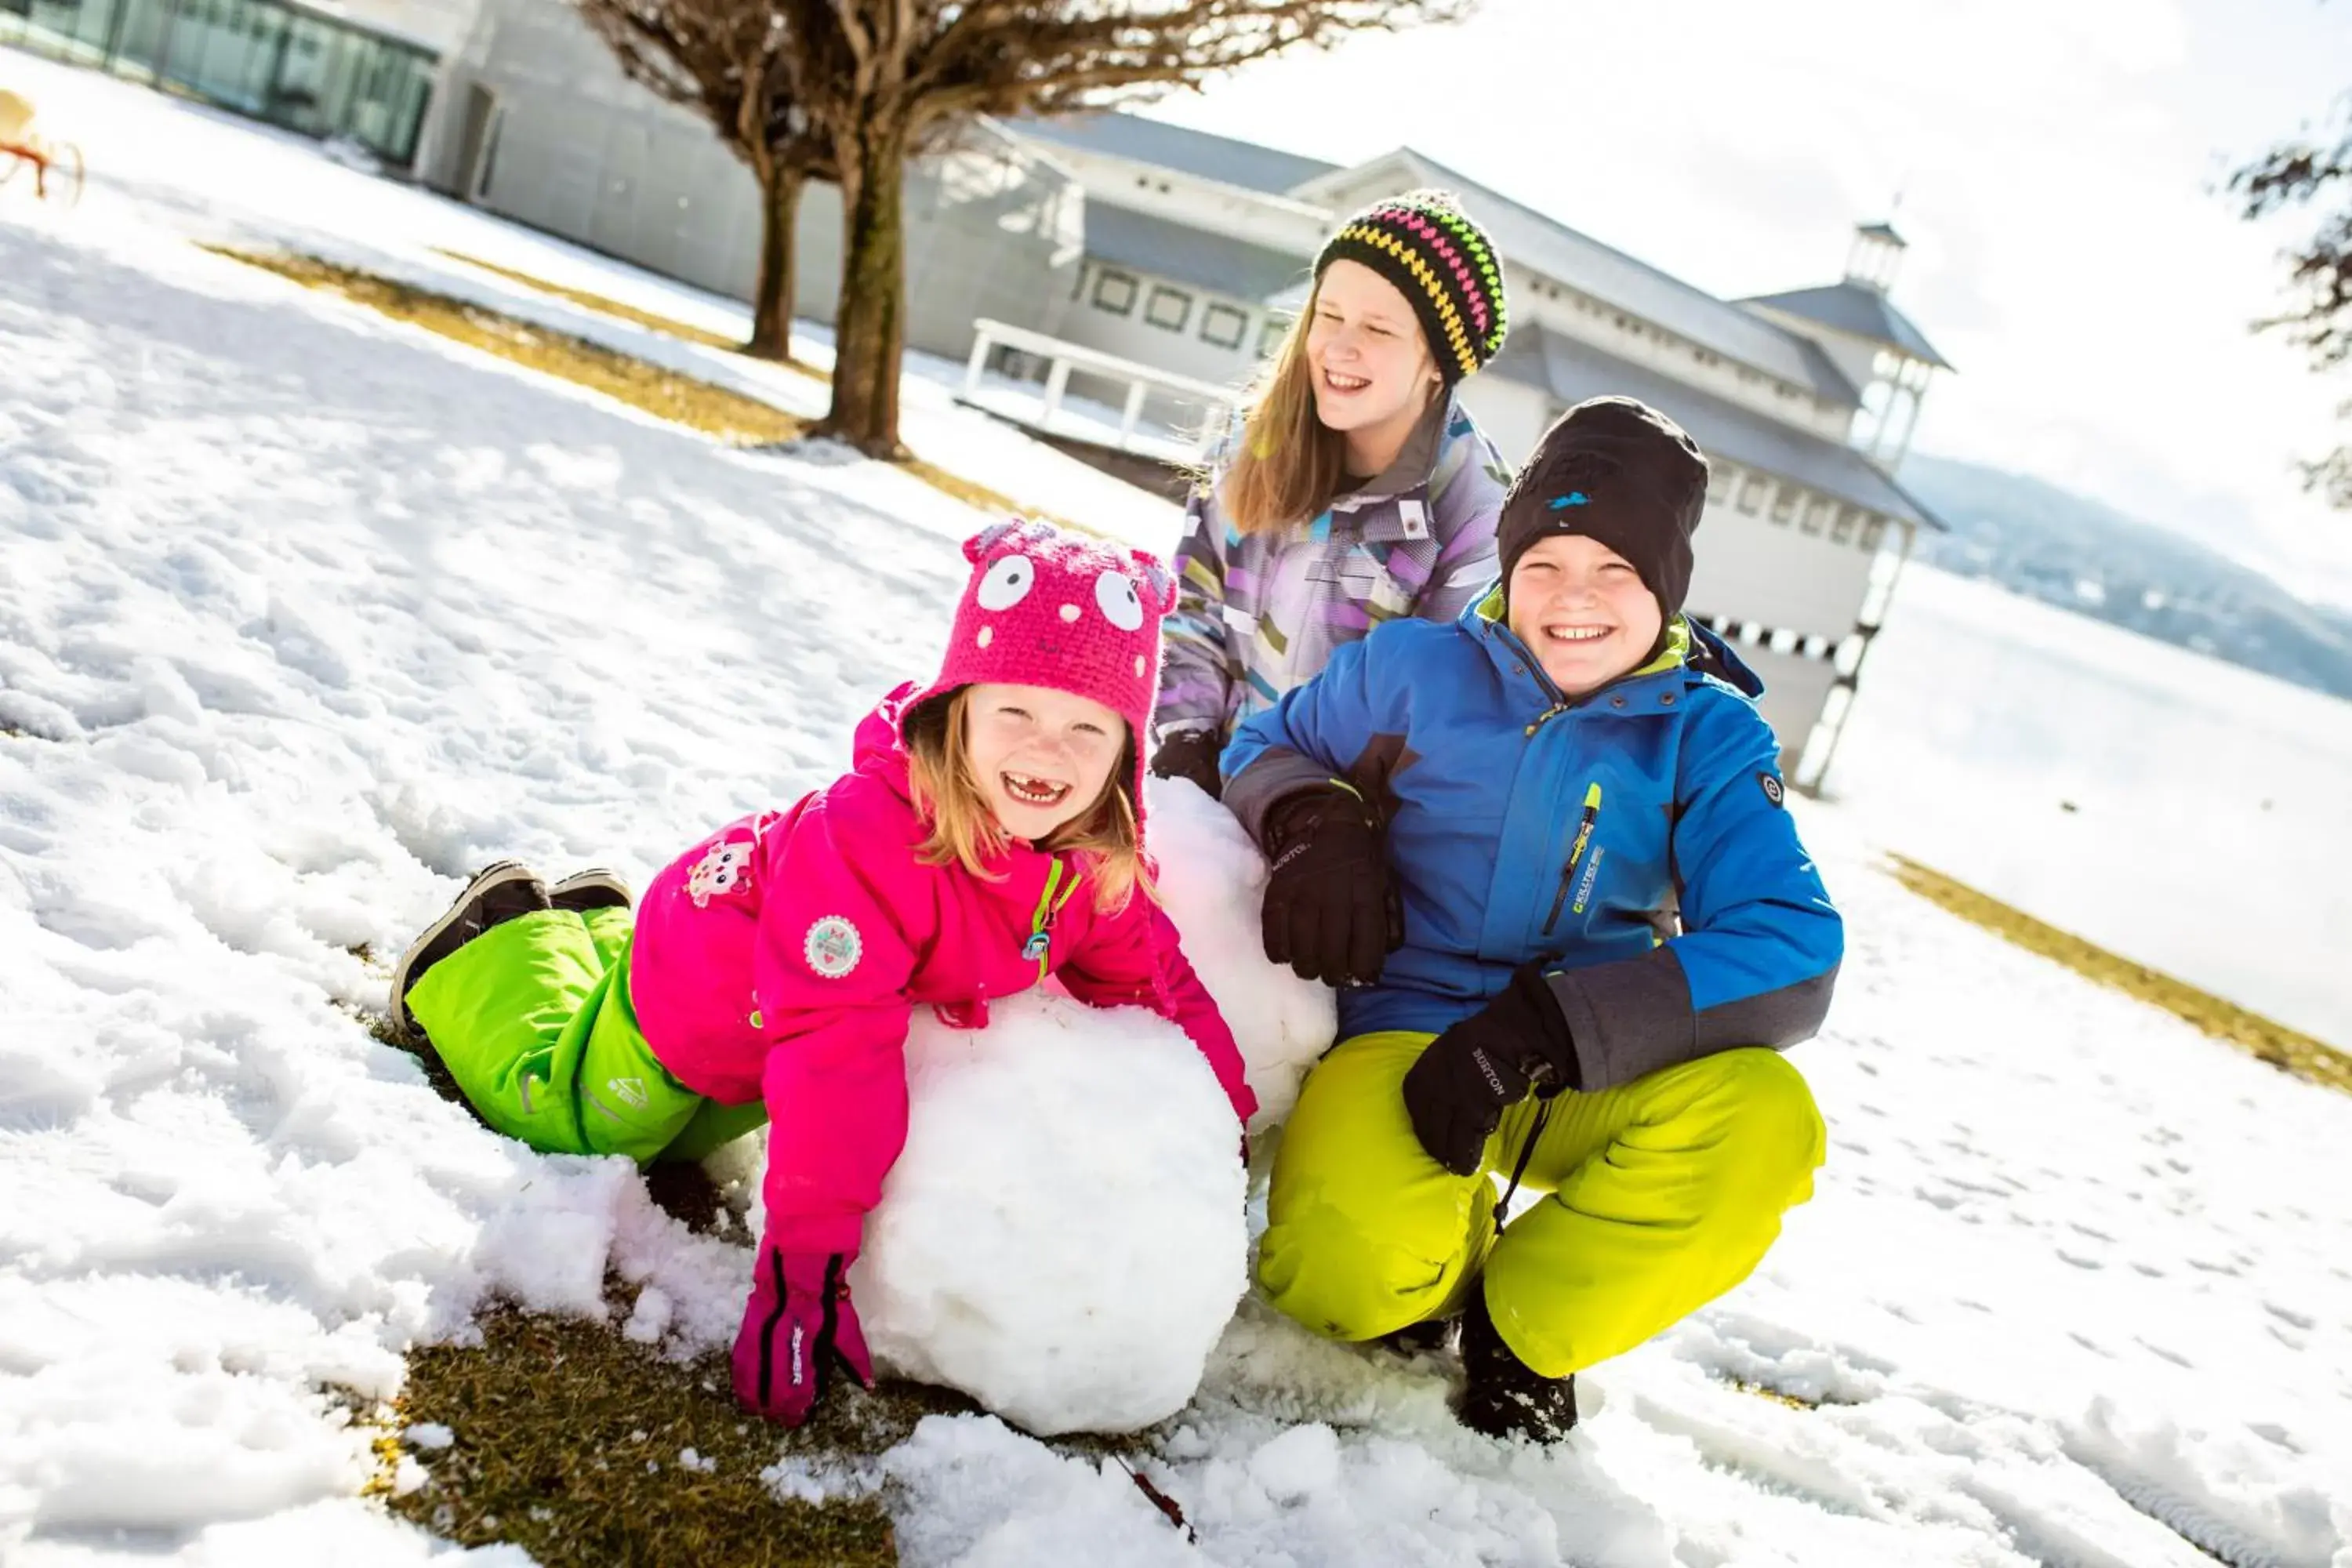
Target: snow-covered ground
[(303, 615), (2179, 810)]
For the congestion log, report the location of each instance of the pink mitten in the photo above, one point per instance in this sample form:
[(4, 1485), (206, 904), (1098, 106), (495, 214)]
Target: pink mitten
[(800, 1323)]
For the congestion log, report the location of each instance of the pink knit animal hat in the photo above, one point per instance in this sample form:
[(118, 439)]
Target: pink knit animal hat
[(1049, 607)]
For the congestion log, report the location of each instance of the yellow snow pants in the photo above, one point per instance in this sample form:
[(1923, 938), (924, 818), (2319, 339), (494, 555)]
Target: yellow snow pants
[(1664, 1194)]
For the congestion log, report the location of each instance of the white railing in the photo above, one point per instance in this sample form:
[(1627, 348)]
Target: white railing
[(1063, 357)]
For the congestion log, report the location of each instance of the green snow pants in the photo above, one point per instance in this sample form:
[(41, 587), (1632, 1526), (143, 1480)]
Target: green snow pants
[(534, 1021), (1665, 1193)]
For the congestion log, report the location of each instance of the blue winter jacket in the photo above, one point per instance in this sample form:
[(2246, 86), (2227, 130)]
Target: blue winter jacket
[(1632, 840)]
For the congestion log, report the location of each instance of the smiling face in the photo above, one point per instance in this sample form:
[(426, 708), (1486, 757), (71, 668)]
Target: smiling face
[(1582, 610), (1370, 361), (1042, 758)]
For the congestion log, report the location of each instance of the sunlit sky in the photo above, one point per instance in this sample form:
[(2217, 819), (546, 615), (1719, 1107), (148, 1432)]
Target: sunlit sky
[(2059, 163)]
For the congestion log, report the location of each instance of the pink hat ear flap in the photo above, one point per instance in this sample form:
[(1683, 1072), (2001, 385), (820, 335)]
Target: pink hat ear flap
[(978, 547), (1160, 586)]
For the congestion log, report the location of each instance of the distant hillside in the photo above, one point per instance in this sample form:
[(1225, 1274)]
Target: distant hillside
[(2037, 540)]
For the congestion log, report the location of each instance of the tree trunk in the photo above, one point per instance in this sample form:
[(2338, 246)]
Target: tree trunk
[(870, 324), (772, 304)]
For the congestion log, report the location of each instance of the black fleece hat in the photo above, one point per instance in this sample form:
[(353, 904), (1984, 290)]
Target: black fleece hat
[(1618, 472)]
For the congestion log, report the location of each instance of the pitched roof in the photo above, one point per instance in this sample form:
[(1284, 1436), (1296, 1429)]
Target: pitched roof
[(1197, 153), (1216, 262), (1577, 259), (1572, 372), (1859, 309)]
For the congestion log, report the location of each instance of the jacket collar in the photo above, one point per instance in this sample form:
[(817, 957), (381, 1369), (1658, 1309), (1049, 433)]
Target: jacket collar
[(1442, 426)]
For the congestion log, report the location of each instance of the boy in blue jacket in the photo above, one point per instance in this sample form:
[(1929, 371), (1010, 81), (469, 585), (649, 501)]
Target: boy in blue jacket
[(1544, 848)]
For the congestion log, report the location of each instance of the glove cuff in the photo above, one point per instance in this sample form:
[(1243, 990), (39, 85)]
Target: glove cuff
[(1305, 810), (1549, 1039)]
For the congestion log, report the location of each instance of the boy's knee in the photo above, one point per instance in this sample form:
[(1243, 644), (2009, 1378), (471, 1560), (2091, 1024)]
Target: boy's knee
[(1778, 1105), (1332, 1274), (1775, 1120), (1366, 1232)]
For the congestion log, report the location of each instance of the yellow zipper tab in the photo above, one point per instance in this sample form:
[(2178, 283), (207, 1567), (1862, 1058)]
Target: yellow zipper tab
[(1584, 839), (1575, 853), (1584, 828)]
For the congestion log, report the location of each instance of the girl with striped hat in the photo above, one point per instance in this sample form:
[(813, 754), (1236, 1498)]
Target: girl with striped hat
[(1353, 489)]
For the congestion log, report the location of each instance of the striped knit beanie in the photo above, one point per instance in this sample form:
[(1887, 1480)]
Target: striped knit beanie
[(1443, 263)]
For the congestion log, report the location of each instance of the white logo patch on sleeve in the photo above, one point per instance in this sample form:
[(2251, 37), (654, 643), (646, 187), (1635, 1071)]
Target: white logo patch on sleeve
[(833, 947)]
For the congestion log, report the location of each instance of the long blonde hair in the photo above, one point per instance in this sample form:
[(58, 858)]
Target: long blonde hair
[(965, 832), (1291, 465)]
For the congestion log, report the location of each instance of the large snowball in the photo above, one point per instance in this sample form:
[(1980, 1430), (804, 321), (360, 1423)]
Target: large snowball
[(1211, 881), (1063, 1238)]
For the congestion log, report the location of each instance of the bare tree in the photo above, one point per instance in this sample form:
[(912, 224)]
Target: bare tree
[(729, 61), (883, 79), (2300, 173)]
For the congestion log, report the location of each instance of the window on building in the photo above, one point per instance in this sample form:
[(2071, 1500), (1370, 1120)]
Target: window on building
[(1722, 484), (1114, 292), (1223, 326), (1784, 503), (1269, 335), (1751, 494), (1170, 308), (1849, 519), (1873, 529), (1818, 515)]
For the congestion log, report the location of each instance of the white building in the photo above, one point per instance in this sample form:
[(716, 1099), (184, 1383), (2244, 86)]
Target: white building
[(1185, 253)]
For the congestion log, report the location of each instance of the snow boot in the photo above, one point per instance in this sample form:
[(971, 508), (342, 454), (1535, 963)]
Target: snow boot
[(498, 893), (1431, 1336), (1502, 1396), (595, 889)]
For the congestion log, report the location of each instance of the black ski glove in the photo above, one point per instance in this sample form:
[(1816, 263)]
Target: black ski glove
[(1192, 754), (1331, 910), (1457, 1091)]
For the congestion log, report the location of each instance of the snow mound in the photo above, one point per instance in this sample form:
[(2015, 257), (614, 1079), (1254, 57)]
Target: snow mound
[(1211, 881), (1063, 1238)]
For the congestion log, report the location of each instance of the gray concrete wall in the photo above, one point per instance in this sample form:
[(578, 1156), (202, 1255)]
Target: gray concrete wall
[(575, 148)]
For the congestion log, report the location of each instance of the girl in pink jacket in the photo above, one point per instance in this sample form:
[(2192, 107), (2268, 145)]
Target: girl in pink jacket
[(990, 835)]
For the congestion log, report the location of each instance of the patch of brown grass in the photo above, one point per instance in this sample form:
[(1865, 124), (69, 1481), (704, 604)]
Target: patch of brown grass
[(1762, 1392), (568, 1442), (2289, 1051), (604, 306), (715, 411), (664, 394)]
